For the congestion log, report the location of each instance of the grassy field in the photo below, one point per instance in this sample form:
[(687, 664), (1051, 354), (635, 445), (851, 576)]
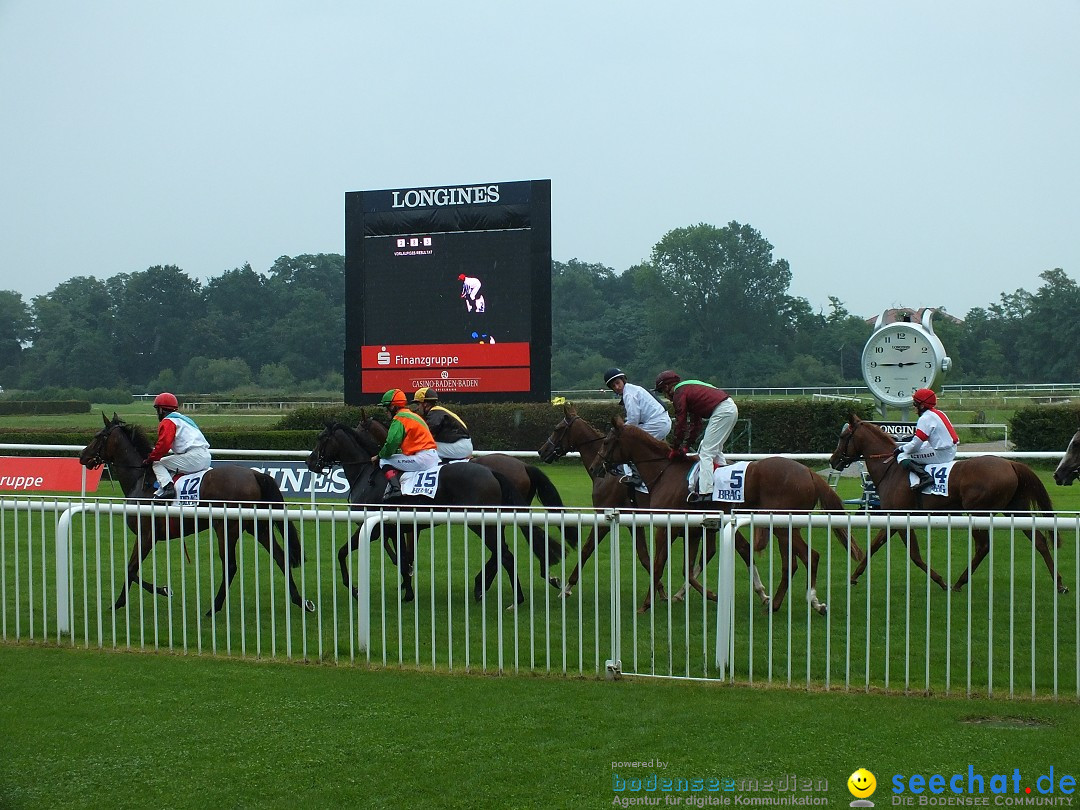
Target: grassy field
[(83, 728)]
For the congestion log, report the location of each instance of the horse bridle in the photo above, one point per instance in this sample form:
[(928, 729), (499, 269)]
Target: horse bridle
[(550, 450), (612, 466), (97, 460), (846, 435)]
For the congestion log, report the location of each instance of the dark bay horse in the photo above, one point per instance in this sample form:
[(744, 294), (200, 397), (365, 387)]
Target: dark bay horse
[(772, 484), (123, 447), (983, 484), (574, 434), (460, 485), (528, 479), (1069, 468)]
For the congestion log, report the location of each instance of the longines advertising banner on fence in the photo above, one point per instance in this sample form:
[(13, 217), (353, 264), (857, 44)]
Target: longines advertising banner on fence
[(449, 287)]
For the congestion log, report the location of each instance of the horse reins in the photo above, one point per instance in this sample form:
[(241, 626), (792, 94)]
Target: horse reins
[(557, 449)]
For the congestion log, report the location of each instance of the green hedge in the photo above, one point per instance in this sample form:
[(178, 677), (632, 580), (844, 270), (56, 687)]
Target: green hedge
[(781, 426), (10, 407), (1044, 427)]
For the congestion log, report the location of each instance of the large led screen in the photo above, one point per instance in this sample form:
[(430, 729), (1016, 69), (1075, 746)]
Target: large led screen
[(449, 288)]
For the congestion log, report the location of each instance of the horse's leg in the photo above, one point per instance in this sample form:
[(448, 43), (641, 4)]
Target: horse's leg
[(916, 557), (982, 547), (879, 540), (1044, 549), (596, 536), (641, 543), (659, 561), (139, 552), (696, 565), (486, 575), (265, 537), (406, 555), (811, 559), (347, 548), (792, 549), (743, 548), (227, 555), (510, 566), (543, 548)]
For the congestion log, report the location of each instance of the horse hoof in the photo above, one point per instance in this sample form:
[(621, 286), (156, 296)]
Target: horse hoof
[(408, 597), (355, 594), (478, 596), (957, 588), (854, 581), (309, 606), (566, 592), (1063, 588), (712, 597), (822, 609), (166, 591), (554, 582)]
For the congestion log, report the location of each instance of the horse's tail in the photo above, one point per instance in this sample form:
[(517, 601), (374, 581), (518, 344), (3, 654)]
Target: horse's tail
[(549, 496), (545, 549), (1034, 493), (271, 493), (830, 502)]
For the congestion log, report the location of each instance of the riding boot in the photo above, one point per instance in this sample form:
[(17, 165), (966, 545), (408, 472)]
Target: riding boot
[(393, 484), (925, 479), (632, 479), (166, 493)]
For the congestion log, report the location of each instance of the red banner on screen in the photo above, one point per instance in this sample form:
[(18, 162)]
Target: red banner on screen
[(45, 475), (448, 356)]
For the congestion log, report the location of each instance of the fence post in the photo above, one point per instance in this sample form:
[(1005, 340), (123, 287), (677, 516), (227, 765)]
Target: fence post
[(613, 667), (725, 591)]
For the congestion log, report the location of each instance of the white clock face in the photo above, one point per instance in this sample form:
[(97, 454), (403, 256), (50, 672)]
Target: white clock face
[(898, 359)]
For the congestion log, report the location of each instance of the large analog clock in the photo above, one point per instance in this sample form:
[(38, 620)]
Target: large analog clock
[(900, 358)]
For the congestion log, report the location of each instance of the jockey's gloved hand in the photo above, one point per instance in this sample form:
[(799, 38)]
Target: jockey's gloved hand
[(147, 462), (676, 452)]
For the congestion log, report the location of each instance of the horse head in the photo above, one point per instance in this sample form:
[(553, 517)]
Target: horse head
[(847, 451), (558, 444), (103, 447), (340, 444), (1069, 468), (611, 452)]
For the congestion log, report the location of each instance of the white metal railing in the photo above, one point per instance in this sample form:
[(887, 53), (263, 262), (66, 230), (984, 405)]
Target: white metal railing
[(63, 563)]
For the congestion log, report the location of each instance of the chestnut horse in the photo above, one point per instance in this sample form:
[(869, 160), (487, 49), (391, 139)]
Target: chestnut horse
[(574, 434), (772, 484), (983, 484), (460, 485), (124, 447), (1069, 468)]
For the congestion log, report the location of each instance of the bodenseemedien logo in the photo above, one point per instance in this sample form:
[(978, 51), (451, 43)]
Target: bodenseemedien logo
[(862, 785)]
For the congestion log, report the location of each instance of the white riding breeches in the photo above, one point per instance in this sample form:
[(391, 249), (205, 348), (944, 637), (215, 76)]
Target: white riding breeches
[(711, 449), (195, 459)]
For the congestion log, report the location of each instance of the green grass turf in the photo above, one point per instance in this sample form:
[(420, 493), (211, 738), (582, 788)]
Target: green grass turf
[(91, 729)]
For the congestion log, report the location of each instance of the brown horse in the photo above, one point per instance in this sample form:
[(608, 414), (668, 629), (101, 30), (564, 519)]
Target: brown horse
[(124, 447), (574, 434), (1069, 468), (983, 484), (772, 484), (528, 479)]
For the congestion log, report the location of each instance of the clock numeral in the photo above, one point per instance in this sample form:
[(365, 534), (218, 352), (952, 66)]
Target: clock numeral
[(928, 364), (879, 350), (873, 364), (900, 336), (901, 393), (925, 349), (877, 379)]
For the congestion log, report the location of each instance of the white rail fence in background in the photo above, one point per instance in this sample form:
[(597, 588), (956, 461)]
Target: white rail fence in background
[(63, 564)]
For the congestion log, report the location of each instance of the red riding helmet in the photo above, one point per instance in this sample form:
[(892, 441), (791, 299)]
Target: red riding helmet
[(166, 400), (924, 398), (665, 378), (461, 277)]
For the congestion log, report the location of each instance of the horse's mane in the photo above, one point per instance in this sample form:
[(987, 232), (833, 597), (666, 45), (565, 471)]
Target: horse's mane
[(138, 438), (876, 430), (647, 439), (361, 437)]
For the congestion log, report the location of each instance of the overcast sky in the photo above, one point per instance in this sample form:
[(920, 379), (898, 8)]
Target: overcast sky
[(908, 153)]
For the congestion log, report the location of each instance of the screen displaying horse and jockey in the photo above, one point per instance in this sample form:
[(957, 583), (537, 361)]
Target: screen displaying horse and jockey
[(449, 288)]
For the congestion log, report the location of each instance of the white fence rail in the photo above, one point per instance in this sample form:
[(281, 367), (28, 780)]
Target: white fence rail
[(63, 564)]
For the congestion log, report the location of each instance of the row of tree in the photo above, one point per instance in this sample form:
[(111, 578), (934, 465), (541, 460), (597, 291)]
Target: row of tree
[(711, 301)]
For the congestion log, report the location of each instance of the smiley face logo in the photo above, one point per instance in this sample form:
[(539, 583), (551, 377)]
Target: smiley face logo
[(862, 784)]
